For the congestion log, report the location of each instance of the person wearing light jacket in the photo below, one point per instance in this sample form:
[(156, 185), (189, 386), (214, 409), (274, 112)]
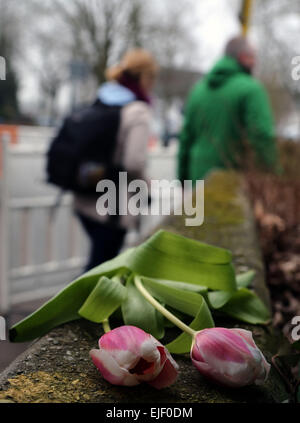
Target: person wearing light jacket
[(128, 86)]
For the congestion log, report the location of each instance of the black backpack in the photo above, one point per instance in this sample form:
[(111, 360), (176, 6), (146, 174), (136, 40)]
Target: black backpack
[(88, 135)]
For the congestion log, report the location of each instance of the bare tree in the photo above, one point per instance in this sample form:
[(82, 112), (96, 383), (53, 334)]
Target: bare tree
[(52, 73), (167, 32), (99, 31), (95, 33)]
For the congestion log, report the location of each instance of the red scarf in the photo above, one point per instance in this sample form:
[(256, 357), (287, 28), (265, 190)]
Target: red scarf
[(132, 83)]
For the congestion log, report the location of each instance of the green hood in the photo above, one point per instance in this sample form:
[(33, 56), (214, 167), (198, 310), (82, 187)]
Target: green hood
[(223, 70)]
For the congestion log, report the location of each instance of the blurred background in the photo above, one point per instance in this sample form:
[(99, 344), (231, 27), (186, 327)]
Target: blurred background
[(56, 53)]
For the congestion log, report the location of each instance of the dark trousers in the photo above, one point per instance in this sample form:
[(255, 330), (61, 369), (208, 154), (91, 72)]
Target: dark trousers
[(106, 241)]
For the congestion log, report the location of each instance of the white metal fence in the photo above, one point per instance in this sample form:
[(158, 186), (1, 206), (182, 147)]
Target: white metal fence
[(42, 246)]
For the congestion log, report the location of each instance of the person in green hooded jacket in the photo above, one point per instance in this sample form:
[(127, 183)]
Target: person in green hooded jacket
[(227, 111)]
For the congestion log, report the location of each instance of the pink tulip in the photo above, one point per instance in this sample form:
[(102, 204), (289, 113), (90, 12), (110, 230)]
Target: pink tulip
[(129, 356), (229, 357)]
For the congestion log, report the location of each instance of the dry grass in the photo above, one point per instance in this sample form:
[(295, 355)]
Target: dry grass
[(276, 202)]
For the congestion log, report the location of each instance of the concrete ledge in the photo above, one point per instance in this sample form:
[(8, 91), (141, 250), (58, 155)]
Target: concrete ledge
[(57, 368)]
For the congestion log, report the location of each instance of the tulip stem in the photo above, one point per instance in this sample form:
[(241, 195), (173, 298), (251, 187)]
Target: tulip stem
[(106, 326), (161, 309)]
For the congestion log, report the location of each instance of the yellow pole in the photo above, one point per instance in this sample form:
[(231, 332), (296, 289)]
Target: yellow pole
[(245, 15)]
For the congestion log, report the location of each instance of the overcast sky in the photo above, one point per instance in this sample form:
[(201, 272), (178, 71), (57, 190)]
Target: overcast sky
[(218, 21)]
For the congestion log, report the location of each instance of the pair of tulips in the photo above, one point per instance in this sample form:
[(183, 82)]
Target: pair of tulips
[(129, 356)]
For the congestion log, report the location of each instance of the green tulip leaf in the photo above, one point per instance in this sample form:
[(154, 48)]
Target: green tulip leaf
[(245, 305), (64, 306), (164, 256), (176, 258), (182, 344), (218, 299), (185, 301), (244, 279), (106, 297), (176, 313), (182, 286), (137, 311)]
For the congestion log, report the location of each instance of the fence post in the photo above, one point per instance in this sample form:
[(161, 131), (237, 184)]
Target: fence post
[(4, 227)]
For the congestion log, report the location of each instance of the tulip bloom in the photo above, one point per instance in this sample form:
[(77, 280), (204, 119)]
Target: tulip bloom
[(129, 356), (229, 357)]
